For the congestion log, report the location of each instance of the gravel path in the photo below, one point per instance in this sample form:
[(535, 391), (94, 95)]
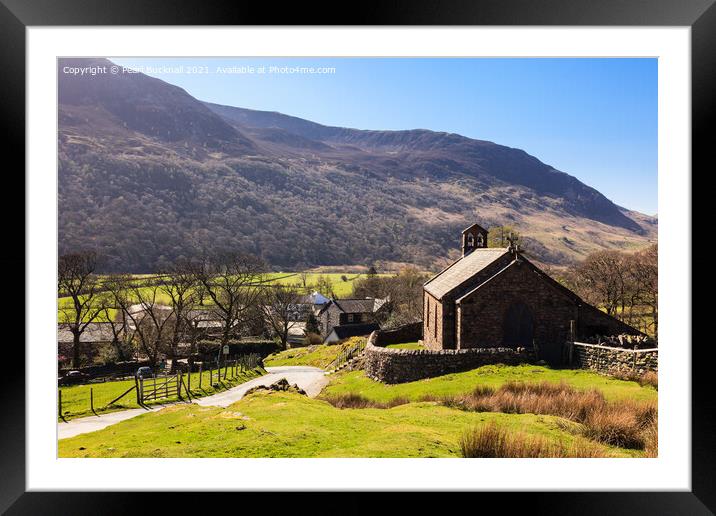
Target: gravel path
[(310, 379)]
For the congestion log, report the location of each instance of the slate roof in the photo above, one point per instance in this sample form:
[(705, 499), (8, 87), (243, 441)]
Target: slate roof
[(345, 331), (95, 332), (463, 269), (359, 306)]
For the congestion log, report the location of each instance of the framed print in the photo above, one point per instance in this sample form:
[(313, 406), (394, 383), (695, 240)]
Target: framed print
[(413, 251)]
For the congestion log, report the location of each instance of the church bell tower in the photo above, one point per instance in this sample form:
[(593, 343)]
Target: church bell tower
[(474, 237)]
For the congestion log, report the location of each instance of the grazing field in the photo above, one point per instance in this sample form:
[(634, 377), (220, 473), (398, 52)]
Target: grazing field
[(316, 356), (76, 398), (341, 288), (356, 382), (285, 424)]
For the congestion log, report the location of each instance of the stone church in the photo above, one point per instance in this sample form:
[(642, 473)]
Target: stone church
[(495, 297)]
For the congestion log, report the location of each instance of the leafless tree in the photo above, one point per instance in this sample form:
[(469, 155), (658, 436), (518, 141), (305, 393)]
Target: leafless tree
[(303, 275), (601, 280), (404, 293), (77, 279), (178, 283), (150, 321), (645, 278), (281, 309), (122, 335), (232, 283)]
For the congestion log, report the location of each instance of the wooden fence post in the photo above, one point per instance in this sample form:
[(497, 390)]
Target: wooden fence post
[(179, 375), (59, 404), (136, 384), (92, 401), (201, 371)]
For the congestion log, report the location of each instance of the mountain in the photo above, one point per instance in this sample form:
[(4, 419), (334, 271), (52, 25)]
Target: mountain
[(147, 173)]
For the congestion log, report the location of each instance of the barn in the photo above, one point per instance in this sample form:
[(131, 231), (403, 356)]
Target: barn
[(495, 297)]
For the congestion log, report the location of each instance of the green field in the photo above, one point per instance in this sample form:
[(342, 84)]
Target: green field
[(316, 356), (341, 288), (356, 382), (285, 424), (76, 398)]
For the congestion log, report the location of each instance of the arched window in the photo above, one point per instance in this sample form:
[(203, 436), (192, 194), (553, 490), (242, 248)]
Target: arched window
[(470, 240), (480, 241)]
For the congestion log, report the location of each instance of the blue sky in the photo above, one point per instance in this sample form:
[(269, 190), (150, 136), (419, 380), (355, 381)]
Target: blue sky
[(595, 119)]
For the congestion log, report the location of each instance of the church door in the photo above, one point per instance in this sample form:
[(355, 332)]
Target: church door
[(518, 326)]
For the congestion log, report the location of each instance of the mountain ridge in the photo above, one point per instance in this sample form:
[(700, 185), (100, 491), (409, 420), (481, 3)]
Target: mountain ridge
[(148, 173)]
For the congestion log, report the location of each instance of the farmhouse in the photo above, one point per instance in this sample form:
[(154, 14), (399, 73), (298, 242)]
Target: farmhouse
[(495, 297), (342, 312)]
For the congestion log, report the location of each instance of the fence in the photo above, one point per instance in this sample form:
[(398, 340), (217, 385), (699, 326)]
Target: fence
[(347, 354), (91, 399)]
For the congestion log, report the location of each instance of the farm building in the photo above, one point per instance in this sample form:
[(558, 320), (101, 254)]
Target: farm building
[(346, 331), (343, 312), (495, 297)]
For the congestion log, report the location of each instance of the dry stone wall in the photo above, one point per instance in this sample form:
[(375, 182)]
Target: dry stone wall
[(407, 365), (611, 360)]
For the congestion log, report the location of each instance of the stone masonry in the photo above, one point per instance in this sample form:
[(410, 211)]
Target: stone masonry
[(609, 360), (407, 365)]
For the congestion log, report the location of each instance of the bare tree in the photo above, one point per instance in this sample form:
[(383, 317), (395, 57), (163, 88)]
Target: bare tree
[(232, 283), (281, 309), (179, 283), (150, 321), (122, 335), (77, 279), (645, 277), (303, 275), (601, 280)]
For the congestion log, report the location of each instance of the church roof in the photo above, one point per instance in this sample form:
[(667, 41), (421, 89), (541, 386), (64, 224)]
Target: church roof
[(463, 269)]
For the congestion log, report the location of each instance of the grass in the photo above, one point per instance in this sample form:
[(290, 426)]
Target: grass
[(340, 287), (316, 356), (76, 398), (284, 424), (406, 345), (492, 441), (492, 376), (624, 423)]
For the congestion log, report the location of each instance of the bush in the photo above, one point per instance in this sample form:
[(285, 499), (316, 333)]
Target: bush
[(491, 441), (648, 378), (626, 423)]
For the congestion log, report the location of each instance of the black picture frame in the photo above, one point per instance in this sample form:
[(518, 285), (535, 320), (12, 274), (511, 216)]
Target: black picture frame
[(17, 15)]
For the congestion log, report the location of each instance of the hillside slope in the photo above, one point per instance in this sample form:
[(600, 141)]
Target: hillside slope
[(147, 173)]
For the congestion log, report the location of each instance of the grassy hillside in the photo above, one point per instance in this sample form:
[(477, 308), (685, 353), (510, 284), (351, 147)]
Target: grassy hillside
[(355, 382), (284, 424)]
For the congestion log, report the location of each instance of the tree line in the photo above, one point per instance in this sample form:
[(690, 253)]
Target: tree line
[(226, 291), (625, 285)]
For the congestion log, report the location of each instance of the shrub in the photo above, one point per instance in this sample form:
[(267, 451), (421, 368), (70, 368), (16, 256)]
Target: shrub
[(491, 441), (648, 378), (625, 423)]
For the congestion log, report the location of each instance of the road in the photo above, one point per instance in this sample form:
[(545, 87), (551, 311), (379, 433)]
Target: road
[(310, 379)]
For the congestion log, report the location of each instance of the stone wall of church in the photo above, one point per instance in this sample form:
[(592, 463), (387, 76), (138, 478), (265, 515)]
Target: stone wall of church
[(432, 322), (481, 316)]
